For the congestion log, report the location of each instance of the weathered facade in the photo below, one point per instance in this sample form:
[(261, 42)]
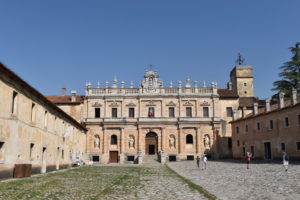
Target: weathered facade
[(268, 132), (126, 123), (33, 130)]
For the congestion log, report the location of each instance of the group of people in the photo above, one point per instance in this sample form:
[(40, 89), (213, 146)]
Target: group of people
[(203, 161), (285, 159)]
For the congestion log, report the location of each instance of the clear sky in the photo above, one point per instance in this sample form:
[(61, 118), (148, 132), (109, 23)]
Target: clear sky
[(64, 43)]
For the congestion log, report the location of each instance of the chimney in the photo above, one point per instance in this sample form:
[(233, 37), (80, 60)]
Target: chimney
[(244, 111), (268, 108), (255, 108), (63, 91), (294, 96), (73, 96), (234, 115), (281, 100), (229, 85)]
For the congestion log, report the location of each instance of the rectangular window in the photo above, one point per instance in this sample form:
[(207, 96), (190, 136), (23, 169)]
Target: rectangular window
[(252, 151), (33, 112), (282, 146), (151, 112), (271, 124), (131, 112), (286, 122), (237, 129), (205, 112), (171, 112), (97, 112), (246, 128), (14, 103), (297, 144), (244, 151), (258, 126), (188, 111), (31, 151), (229, 112), (46, 119), (114, 112), (238, 143)]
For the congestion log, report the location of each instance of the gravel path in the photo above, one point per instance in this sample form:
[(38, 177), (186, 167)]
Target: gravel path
[(231, 180)]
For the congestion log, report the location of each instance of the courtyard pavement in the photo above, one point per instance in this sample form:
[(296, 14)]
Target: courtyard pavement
[(231, 180)]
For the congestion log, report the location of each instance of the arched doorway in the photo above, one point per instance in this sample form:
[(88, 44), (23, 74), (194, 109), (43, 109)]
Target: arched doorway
[(151, 143)]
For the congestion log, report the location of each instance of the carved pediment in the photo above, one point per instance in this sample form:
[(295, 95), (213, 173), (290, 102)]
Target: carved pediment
[(97, 104), (114, 104), (131, 104), (171, 103), (187, 103), (151, 103), (205, 103)]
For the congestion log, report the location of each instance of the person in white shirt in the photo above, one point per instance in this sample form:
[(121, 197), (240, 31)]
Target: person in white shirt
[(204, 160)]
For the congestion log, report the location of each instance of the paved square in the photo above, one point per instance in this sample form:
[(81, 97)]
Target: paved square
[(231, 180), (102, 182)]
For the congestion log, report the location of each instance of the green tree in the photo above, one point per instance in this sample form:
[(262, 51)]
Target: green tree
[(290, 73)]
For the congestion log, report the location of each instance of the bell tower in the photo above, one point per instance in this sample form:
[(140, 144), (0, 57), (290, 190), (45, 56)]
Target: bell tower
[(241, 77)]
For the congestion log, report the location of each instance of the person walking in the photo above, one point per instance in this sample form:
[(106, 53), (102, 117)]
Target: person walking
[(285, 159), (248, 158), (198, 161), (204, 160)]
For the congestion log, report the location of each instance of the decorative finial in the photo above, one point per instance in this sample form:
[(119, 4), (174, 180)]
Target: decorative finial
[(151, 67), (179, 84), (171, 84), (195, 84), (240, 60), (98, 84), (188, 83), (204, 84), (115, 82), (131, 84), (106, 84), (122, 84)]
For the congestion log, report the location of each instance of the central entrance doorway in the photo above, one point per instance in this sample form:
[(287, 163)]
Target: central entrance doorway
[(113, 157), (151, 143)]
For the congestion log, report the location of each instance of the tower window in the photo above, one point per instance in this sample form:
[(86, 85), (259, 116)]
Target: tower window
[(205, 112), (286, 121), (245, 84), (258, 126), (33, 112), (189, 139), (271, 124), (151, 112), (14, 103), (113, 140), (229, 112), (171, 112)]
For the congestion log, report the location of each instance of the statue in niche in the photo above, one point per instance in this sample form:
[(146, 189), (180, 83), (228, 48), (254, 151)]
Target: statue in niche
[(97, 142), (131, 142), (206, 141), (172, 141)]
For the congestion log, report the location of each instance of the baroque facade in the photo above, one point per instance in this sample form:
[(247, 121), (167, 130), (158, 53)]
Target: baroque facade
[(126, 123), (35, 131)]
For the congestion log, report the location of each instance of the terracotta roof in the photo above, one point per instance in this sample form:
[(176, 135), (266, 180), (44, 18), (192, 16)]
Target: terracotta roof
[(65, 99), (13, 76), (249, 101), (226, 93)]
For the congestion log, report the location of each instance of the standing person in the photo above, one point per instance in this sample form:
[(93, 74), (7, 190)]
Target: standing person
[(285, 158), (198, 161), (204, 160), (248, 158)]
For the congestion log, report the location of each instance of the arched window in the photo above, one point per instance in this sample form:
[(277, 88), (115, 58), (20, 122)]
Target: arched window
[(189, 139), (113, 139)]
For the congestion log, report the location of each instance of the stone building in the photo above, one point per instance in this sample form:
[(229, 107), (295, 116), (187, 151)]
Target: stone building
[(126, 123), (33, 130), (268, 131)]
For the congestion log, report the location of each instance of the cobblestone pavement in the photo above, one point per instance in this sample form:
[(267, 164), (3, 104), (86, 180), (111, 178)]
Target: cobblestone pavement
[(149, 181), (231, 180)]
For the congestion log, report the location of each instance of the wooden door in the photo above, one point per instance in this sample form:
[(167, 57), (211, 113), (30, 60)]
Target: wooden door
[(113, 157)]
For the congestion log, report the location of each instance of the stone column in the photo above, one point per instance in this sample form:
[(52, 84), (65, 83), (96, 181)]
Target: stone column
[(122, 145), (198, 140), (162, 139), (180, 140)]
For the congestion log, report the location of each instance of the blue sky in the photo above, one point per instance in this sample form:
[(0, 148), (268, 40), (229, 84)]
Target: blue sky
[(65, 43)]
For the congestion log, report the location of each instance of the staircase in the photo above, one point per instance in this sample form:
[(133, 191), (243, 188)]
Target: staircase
[(150, 160)]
